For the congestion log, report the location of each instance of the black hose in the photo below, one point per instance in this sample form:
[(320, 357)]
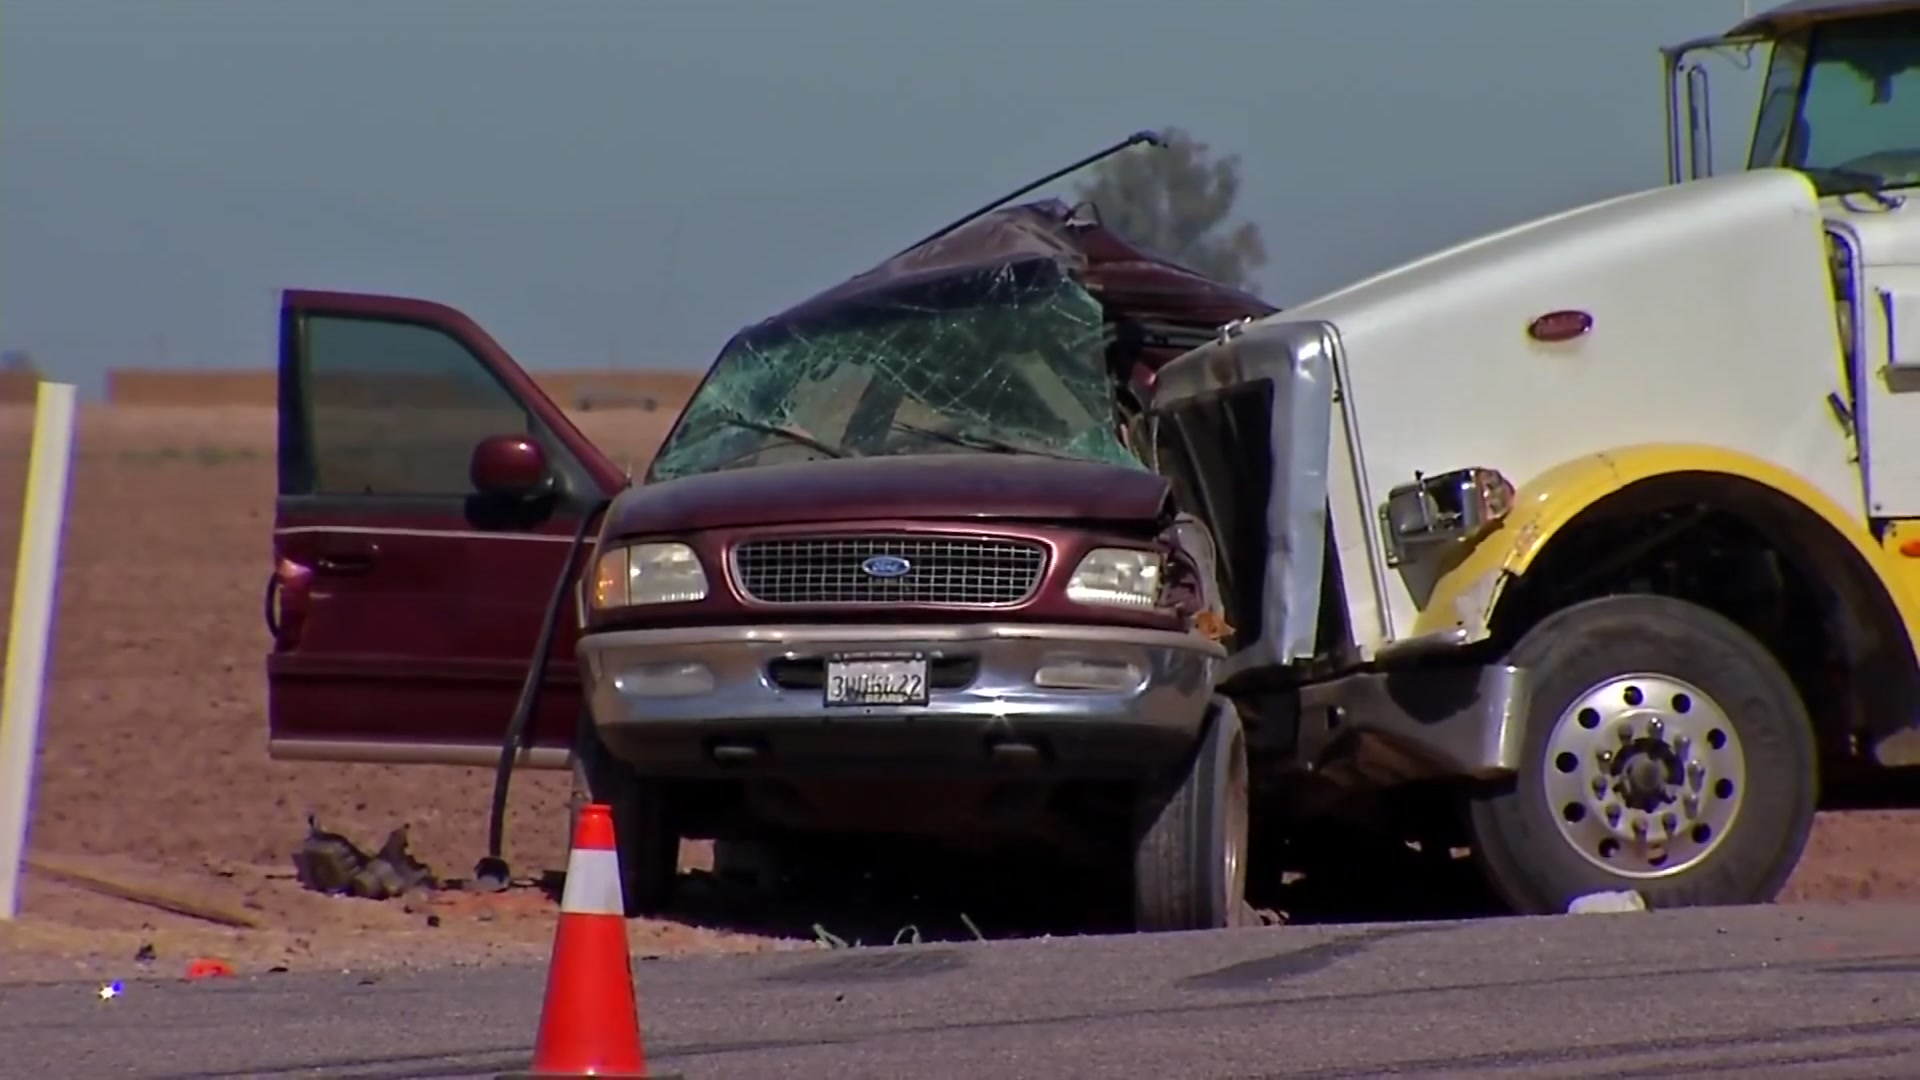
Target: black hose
[(518, 729)]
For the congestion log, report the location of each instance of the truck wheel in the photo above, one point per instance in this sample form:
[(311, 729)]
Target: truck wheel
[(643, 831), (1666, 751), (1189, 863)]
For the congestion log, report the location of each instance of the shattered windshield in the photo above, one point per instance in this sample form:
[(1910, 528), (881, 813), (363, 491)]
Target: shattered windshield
[(1009, 360)]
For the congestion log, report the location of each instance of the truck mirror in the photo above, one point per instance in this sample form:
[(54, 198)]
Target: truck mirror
[(1450, 508)]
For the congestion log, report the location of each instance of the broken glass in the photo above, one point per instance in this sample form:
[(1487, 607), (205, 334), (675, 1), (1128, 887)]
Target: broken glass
[(1010, 359)]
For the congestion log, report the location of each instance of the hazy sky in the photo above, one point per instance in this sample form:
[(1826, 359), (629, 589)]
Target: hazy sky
[(630, 181)]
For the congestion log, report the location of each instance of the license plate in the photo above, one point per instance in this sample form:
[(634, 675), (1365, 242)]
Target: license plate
[(876, 680)]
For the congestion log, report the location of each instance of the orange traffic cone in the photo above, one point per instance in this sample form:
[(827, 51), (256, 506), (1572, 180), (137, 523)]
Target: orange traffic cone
[(589, 1022)]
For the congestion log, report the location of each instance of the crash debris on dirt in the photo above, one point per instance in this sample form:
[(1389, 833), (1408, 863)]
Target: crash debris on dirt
[(1607, 903), (329, 863)]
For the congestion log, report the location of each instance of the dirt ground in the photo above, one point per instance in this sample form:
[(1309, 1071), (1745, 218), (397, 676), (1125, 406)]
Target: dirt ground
[(153, 764)]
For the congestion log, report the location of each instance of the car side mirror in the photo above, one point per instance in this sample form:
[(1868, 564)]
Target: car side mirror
[(509, 466)]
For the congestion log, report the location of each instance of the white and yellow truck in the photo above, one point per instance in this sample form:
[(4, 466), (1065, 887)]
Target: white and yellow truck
[(1603, 530)]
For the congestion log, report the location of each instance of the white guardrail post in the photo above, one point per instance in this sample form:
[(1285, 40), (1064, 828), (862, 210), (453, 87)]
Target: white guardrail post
[(31, 628)]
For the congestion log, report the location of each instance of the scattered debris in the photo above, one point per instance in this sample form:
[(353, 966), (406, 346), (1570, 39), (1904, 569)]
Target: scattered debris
[(1607, 903), (392, 872), (207, 968), (145, 954), (491, 874), (140, 892), (327, 862)]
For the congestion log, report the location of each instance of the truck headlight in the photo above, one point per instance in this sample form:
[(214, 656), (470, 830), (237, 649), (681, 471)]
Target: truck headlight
[(638, 574), (1450, 508), (1121, 577)]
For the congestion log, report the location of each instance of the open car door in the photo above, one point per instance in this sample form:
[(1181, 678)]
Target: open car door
[(405, 604)]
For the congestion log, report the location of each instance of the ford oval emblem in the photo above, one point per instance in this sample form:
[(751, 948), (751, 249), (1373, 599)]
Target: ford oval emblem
[(886, 566)]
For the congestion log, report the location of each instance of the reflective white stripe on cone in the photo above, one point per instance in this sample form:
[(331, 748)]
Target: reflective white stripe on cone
[(593, 884)]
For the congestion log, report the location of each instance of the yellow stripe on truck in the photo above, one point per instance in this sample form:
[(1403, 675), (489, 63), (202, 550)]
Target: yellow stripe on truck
[(1467, 595)]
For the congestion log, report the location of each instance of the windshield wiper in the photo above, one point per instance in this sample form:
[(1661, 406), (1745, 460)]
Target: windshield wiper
[(977, 442), (1853, 182), (790, 434)]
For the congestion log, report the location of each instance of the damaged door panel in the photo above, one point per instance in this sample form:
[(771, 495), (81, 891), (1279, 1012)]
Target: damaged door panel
[(405, 599)]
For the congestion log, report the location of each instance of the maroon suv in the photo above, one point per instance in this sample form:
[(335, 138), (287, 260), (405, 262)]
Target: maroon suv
[(898, 568)]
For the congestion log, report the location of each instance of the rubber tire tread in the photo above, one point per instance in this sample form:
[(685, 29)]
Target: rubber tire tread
[(1178, 879), (1518, 844), (647, 843)]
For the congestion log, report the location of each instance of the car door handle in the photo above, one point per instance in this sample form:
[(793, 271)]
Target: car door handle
[(358, 562)]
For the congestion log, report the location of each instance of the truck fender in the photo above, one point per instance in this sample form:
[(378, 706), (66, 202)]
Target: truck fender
[(1465, 597)]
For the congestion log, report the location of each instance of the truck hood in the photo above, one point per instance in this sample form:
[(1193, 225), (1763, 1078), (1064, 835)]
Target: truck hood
[(926, 486), (1706, 315)]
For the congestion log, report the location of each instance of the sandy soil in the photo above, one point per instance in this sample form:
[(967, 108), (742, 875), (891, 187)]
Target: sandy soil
[(153, 760)]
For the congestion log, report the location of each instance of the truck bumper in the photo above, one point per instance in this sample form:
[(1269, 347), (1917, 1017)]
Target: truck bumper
[(713, 701), (1459, 722)]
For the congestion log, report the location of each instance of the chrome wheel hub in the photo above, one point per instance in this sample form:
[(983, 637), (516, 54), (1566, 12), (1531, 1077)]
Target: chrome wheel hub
[(1644, 775)]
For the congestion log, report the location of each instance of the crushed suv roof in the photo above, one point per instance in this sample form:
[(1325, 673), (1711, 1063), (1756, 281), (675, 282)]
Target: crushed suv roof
[(1126, 278)]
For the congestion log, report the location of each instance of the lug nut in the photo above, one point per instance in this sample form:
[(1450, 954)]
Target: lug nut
[(1669, 822), (1613, 815), (1656, 727), (1625, 733), (1690, 805), (1599, 786)]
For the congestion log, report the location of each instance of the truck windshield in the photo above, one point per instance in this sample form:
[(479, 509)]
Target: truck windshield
[(1008, 360), (1843, 105)]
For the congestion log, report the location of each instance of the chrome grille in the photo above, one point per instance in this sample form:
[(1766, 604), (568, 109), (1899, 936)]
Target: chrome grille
[(958, 571)]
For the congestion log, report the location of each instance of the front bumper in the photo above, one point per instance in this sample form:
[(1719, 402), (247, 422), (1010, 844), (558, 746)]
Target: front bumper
[(709, 701), (1461, 722)]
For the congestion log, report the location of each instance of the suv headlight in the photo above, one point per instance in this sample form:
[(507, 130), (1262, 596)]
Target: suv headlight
[(637, 574), (1121, 577)]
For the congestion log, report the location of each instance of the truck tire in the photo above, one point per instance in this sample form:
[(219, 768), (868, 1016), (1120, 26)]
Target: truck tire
[(1189, 863), (1665, 751), (643, 830)]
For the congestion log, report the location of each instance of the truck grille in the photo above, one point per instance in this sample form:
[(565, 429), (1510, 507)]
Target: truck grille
[(960, 572)]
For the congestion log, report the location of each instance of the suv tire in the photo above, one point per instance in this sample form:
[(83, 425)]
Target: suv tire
[(1189, 862), (643, 829)]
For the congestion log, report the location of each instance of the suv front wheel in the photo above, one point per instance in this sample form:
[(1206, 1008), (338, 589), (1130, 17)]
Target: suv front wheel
[(1190, 852), (643, 826)]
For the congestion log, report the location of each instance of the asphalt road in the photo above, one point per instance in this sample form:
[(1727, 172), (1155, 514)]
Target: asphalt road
[(1741, 992)]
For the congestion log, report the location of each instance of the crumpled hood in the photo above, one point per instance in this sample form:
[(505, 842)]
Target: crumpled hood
[(926, 486)]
